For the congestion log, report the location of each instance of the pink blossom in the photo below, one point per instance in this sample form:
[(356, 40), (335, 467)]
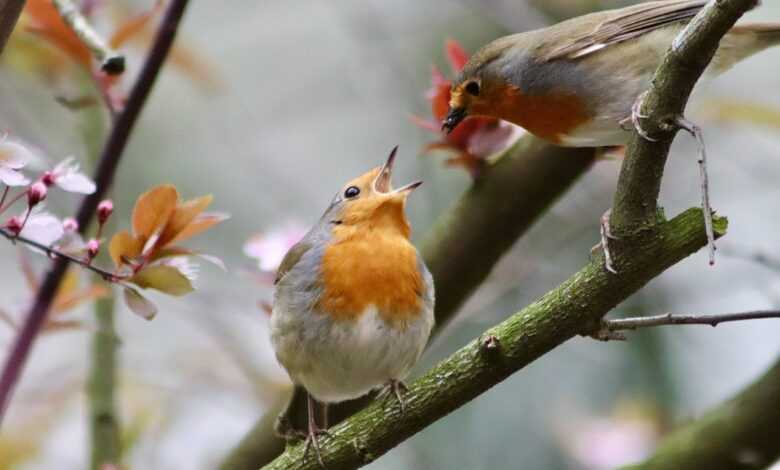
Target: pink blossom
[(42, 227), (269, 248), (36, 193), (104, 210), (66, 176)]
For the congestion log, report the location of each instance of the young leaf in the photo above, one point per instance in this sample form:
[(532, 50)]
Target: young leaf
[(153, 209), (139, 304), (124, 246), (164, 278)]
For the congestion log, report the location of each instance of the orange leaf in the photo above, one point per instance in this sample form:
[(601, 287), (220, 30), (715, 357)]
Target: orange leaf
[(123, 245), (164, 278), (153, 209), (201, 223), (133, 26), (182, 216), (67, 302), (45, 22)]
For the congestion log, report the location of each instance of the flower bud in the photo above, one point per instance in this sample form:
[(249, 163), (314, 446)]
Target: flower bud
[(104, 210), (93, 247), (36, 193), (14, 225), (48, 178), (70, 225)]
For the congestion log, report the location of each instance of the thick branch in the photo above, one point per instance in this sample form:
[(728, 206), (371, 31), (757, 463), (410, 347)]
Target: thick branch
[(740, 434), (111, 62), (561, 314), (636, 198), (9, 15), (507, 199), (104, 175)]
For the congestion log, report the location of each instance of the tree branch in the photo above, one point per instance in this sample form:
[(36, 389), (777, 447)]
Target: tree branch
[(510, 195), (104, 175), (502, 350), (111, 62), (636, 198), (740, 434), (9, 15), (611, 328)]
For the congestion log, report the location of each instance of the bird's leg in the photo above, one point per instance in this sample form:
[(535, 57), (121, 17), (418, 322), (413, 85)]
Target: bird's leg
[(636, 118), (312, 439), (394, 388), (704, 181), (606, 236)]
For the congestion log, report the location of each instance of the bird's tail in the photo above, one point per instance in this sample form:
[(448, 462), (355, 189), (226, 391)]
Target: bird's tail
[(743, 41)]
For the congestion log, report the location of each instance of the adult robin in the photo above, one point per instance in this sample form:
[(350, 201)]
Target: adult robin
[(353, 305), (575, 83)]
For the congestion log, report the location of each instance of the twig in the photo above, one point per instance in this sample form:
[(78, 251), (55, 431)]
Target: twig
[(704, 180), (111, 62), (109, 160), (54, 253), (611, 326)]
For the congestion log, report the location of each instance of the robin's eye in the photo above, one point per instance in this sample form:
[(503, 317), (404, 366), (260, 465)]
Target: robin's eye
[(351, 192), (472, 88)]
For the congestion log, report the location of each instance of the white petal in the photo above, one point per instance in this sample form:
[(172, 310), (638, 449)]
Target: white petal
[(14, 155), (13, 177), (75, 183), (43, 228)]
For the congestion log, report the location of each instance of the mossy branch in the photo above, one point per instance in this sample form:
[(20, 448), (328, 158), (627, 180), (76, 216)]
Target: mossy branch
[(740, 434), (575, 307)]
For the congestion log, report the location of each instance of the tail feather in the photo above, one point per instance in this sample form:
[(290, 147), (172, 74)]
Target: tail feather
[(743, 41)]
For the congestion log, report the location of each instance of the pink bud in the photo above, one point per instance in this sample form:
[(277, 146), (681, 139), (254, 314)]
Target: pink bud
[(48, 178), (70, 225), (104, 210), (36, 193), (14, 224), (93, 246)]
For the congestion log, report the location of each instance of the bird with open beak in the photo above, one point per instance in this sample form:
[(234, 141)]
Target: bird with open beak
[(353, 305)]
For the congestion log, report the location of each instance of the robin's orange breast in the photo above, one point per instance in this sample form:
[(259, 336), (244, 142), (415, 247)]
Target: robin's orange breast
[(371, 269), (548, 116)]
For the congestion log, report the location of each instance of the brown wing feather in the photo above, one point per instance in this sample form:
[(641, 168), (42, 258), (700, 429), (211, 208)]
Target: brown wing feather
[(627, 23), (291, 259)]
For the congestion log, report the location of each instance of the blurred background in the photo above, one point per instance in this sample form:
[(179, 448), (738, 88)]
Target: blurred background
[(271, 107)]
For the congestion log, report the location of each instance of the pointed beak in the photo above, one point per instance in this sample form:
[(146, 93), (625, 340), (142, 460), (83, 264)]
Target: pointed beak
[(453, 119), (382, 182)]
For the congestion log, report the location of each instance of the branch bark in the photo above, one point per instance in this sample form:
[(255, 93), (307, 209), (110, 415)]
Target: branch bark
[(561, 314), (740, 434), (510, 195), (9, 16), (104, 175)]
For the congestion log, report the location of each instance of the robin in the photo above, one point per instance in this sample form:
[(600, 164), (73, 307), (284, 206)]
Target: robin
[(353, 305), (576, 83)]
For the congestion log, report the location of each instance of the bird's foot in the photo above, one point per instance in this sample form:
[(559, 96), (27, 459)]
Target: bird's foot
[(394, 389), (704, 184), (313, 442), (284, 429), (606, 236), (636, 119)]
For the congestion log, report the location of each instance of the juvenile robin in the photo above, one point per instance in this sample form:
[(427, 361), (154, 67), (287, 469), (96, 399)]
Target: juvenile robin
[(353, 305), (575, 83)]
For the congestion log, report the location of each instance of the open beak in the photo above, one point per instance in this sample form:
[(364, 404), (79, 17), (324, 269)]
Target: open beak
[(453, 119), (382, 182)]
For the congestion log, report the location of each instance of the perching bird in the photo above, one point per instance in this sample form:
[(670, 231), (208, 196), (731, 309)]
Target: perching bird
[(574, 83), (353, 306)]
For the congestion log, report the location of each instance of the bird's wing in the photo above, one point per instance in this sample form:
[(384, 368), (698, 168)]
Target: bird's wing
[(627, 23), (291, 258)]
